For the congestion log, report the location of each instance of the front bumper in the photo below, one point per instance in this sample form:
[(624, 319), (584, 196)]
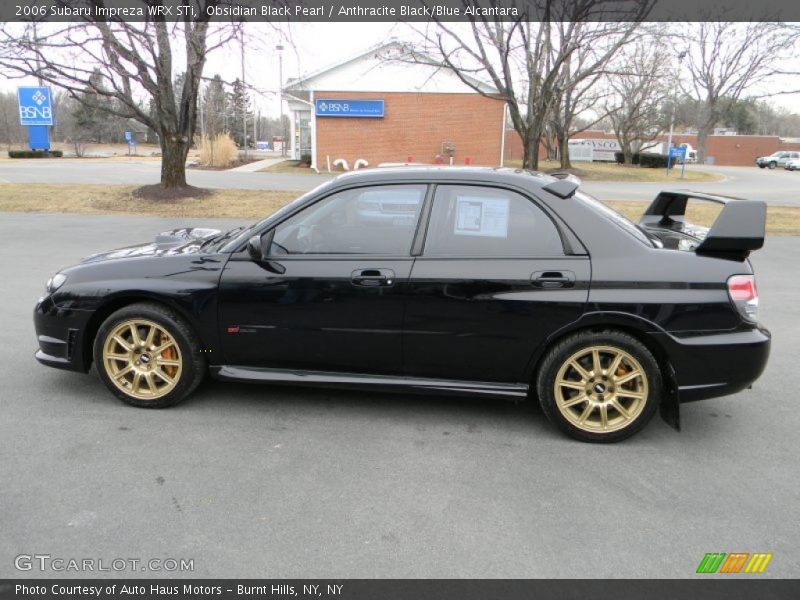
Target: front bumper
[(60, 333), (716, 364)]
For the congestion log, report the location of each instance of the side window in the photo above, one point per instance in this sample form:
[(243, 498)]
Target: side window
[(369, 220), (483, 221)]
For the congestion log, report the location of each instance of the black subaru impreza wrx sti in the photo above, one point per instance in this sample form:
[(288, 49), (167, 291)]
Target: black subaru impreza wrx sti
[(470, 281)]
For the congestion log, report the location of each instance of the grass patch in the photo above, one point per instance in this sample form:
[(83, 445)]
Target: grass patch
[(781, 220), (597, 171), (288, 166), (256, 204), (120, 199)]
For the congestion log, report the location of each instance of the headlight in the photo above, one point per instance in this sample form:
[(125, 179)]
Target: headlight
[(55, 282)]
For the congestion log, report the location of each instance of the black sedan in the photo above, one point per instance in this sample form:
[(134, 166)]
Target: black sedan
[(493, 282)]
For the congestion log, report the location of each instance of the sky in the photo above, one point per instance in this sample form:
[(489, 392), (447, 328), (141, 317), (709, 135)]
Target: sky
[(311, 46), (317, 45)]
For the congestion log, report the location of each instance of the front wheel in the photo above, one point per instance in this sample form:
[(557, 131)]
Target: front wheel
[(148, 356), (772, 165), (599, 387)]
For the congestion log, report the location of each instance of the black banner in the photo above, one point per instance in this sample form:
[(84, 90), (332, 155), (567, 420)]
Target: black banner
[(734, 588), (398, 10)]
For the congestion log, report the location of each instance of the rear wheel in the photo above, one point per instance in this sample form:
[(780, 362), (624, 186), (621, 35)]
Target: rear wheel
[(148, 356), (599, 387)]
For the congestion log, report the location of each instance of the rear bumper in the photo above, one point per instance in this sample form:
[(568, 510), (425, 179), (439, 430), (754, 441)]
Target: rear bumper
[(59, 332), (716, 364)]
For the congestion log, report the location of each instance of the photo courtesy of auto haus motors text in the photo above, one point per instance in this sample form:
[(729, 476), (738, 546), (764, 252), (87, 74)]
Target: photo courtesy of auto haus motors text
[(454, 299), (185, 590)]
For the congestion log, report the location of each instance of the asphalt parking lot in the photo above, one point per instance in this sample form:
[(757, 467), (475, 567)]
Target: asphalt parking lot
[(284, 482)]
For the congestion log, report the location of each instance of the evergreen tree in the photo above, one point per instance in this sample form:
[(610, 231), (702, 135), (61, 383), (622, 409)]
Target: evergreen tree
[(239, 101), (215, 108)]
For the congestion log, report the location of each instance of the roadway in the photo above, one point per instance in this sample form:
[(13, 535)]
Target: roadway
[(775, 187)]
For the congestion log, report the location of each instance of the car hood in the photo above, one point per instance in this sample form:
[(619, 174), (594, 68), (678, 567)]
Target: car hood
[(177, 241)]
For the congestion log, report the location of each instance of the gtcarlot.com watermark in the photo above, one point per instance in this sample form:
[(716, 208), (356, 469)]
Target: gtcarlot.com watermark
[(46, 562)]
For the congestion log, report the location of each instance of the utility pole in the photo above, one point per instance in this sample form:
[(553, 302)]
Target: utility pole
[(244, 98), (256, 119), (674, 102), (279, 48), (38, 64)]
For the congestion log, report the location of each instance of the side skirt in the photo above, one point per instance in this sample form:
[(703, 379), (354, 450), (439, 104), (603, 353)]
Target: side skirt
[(511, 391)]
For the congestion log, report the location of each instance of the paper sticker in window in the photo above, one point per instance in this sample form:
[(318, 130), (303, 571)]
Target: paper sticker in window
[(486, 217)]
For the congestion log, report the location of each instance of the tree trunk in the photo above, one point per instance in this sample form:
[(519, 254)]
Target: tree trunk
[(702, 143), (173, 161), (563, 151), (627, 152), (527, 153)]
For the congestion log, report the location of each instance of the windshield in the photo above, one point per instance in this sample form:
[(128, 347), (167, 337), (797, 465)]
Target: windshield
[(615, 217)]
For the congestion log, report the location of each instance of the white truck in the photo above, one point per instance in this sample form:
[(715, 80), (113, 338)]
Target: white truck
[(604, 150)]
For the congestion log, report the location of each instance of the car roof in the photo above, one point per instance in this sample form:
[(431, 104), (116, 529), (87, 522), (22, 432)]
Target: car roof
[(520, 177)]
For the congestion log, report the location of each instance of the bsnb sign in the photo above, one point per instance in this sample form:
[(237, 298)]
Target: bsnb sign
[(338, 107), (35, 106)]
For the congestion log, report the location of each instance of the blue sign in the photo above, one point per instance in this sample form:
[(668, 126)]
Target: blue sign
[(339, 107), (678, 152), (38, 137), (129, 138), (35, 106)]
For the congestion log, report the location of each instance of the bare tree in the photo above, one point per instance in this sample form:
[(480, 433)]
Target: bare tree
[(641, 90), (11, 132), (726, 59), (576, 97), (137, 66), (528, 60)]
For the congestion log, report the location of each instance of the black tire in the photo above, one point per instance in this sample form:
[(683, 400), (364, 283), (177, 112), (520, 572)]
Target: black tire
[(602, 422), (772, 165), (762, 166), (181, 349)]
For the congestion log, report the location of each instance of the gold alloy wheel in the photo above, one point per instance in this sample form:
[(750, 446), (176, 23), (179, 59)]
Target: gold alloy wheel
[(601, 389), (142, 359)]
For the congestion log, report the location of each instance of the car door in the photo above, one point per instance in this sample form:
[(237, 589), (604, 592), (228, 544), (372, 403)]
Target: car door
[(330, 295), (492, 283)]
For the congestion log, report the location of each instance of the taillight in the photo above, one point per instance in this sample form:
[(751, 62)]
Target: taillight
[(743, 293)]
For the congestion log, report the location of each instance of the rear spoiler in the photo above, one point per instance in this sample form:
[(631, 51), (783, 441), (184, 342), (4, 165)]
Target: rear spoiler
[(739, 228)]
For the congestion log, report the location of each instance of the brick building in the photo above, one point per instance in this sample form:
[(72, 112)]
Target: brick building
[(378, 107), (727, 150)]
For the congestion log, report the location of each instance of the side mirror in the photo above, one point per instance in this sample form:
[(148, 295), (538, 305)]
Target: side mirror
[(254, 248), (259, 246)]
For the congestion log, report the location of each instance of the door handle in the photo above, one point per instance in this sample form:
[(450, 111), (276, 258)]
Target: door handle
[(553, 279), (372, 277)]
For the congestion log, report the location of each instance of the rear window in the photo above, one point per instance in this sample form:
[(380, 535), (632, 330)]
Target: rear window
[(609, 213)]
